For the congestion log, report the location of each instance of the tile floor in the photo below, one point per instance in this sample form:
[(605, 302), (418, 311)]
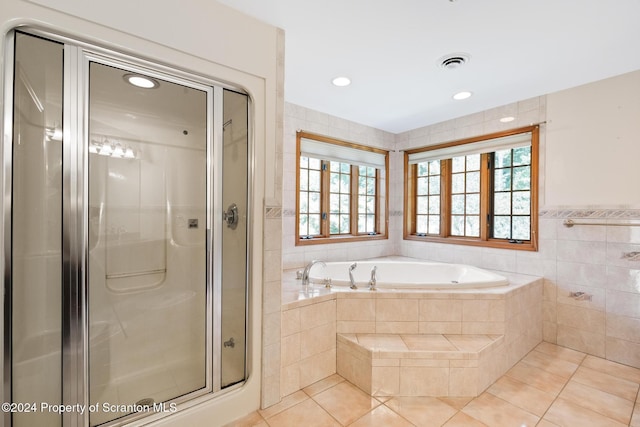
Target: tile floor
[(551, 386)]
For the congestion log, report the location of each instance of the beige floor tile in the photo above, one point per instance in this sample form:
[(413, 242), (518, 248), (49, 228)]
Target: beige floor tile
[(496, 412), (456, 402), (286, 403), (254, 419), (549, 363), (307, 414), (422, 411), (564, 413), (545, 423), (469, 342), (560, 352), (607, 404), (605, 382), (428, 342), (463, 420), (522, 395), (612, 368), (323, 384), (381, 416), (538, 378), (345, 402), (635, 419)]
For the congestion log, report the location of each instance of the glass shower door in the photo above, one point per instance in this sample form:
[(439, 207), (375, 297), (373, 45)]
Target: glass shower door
[(148, 223)]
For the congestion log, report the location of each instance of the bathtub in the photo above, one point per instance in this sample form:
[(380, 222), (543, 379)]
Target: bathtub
[(407, 275)]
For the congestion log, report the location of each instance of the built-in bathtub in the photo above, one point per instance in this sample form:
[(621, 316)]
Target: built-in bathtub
[(419, 334), (407, 275)]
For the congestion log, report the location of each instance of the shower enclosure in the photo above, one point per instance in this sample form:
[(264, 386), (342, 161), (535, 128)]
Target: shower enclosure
[(125, 235)]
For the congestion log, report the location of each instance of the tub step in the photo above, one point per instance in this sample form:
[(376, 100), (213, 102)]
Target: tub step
[(421, 364)]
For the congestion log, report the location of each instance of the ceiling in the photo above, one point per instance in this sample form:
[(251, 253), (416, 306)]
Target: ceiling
[(391, 50)]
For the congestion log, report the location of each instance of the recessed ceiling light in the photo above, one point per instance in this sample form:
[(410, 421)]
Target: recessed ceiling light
[(341, 81), (141, 81), (462, 95), (507, 119)]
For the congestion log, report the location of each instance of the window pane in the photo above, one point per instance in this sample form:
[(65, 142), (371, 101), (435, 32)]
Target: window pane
[(502, 204), (315, 164), (434, 204), (473, 182), (457, 225), (314, 180), (522, 156), (304, 202), (502, 158), (423, 169), (502, 179), (304, 162), (502, 227), (473, 226), (304, 180), (422, 224), (434, 224), (457, 164), (334, 224), (314, 202), (345, 203), (371, 205), (345, 168), (344, 224), (473, 162), (473, 204), (457, 204), (457, 183), (334, 167), (434, 167), (521, 228), (521, 203), (423, 186), (303, 225), (362, 204), (345, 183), (434, 185), (362, 184), (371, 186), (522, 178), (362, 223), (334, 203), (314, 225), (334, 183)]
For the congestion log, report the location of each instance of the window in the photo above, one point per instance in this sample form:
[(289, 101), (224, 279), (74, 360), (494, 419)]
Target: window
[(478, 191), (341, 190)]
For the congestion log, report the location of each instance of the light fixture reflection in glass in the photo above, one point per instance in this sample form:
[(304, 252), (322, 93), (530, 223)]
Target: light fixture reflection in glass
[(462, 95), (141, 81), (112, 149)]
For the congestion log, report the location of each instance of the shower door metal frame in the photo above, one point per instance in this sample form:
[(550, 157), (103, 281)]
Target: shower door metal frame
[(75, 175)]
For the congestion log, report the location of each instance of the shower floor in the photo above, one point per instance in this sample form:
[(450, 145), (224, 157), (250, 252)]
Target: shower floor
[(551, 385)]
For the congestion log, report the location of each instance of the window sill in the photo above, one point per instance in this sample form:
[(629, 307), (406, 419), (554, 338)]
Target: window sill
[(339, 239), (529, 245)]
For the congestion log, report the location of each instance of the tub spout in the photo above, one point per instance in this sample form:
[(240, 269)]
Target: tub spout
[(353, 282), (373, 280), (307, 269)]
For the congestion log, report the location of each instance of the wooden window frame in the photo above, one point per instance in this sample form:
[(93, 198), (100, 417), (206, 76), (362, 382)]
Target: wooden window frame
[(382, 208), (410, 184)]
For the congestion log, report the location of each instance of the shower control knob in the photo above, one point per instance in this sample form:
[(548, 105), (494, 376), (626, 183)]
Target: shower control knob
[(231, 216)]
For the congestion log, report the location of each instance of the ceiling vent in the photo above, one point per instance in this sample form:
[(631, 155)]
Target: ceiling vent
[(453, 61)]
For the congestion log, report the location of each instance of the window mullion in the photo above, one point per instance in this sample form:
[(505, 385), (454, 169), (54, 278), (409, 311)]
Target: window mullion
[(324, 199), (353, 205), (445, 198), (486, 192)]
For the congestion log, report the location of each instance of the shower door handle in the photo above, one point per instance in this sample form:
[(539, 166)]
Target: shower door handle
[(231, 216)]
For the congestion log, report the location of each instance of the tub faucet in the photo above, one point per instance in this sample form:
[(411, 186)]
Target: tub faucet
[(307, 269), (353, 282), (372, 281)]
